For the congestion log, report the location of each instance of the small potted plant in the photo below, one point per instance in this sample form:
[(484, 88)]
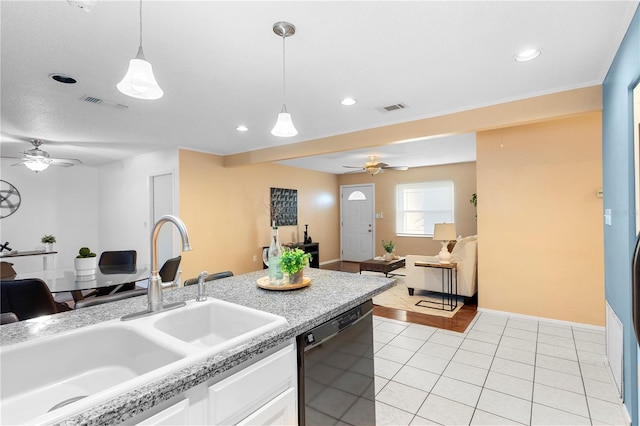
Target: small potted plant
[(48, 241), (388, 248), (85, 262), (293, 263)]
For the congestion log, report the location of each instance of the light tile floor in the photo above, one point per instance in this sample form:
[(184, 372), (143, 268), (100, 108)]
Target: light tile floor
[(501, 371)]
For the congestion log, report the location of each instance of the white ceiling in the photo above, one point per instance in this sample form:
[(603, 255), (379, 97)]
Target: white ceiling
[(220, 65)]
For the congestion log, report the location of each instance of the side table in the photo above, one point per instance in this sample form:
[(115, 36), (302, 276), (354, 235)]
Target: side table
[(449, 280)]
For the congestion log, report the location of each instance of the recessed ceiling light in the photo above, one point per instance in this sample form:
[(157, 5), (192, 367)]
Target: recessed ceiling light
[(242, 128), (349, 101), (527, 55), (62, 78)]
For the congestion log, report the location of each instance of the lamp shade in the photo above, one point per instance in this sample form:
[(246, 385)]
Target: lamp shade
[(37, 165), (444, 232), (139, 81), (284, 126)]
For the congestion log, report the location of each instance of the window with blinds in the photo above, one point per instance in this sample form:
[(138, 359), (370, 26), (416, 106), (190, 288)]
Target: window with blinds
[(420, 205)]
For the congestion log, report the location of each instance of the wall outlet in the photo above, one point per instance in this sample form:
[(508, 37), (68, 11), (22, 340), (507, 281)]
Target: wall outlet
[(379, 215)]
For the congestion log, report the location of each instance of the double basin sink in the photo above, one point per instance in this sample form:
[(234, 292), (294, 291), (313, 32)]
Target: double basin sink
[(48, 379)]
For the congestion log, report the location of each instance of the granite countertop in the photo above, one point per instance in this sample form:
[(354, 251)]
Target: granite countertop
[(329, 294)]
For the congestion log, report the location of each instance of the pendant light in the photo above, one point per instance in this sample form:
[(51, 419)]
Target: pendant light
[(284, 126), (139, 81)]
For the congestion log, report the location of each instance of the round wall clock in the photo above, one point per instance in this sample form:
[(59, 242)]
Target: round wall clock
[(9, 199)]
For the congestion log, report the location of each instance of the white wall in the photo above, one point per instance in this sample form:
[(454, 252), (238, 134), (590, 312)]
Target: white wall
[(59, 201), (124, 202)]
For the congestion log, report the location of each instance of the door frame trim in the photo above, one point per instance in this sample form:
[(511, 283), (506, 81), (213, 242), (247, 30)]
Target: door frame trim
[(373, 214)]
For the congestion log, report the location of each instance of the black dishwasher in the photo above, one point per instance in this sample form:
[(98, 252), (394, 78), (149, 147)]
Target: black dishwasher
[(335, 370)]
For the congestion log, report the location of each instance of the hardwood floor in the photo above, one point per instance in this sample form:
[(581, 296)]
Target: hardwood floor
[(459, 322)]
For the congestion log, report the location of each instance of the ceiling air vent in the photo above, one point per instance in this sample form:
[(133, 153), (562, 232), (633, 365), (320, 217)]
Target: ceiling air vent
[(394, 107), (98, 101)]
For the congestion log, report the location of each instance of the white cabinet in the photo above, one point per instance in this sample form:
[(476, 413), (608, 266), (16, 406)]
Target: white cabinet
[(280, 411), (262, 391), (236, 397), (177, 414)]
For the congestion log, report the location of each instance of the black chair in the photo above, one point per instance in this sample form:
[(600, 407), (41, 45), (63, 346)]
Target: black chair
[(28, 298), (169, 270), (116, 262), (212, 277), (8, 318), (93, 301)]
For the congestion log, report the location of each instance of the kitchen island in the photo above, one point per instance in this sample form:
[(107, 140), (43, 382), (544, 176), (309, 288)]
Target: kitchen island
[(330, 294)]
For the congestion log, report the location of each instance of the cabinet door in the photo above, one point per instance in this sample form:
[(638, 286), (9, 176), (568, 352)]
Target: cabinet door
[(239, 395), (281, 410), (177, 414)]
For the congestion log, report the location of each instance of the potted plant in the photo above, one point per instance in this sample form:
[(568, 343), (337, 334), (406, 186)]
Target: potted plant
[(388, 248), (48, 241), (85, 262), (293, 263)]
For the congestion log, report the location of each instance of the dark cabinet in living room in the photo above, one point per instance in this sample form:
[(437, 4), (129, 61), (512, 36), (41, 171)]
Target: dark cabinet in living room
[(312, 248)]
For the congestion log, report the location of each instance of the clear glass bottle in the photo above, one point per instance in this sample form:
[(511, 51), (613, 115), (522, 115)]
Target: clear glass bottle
[(275, 254)]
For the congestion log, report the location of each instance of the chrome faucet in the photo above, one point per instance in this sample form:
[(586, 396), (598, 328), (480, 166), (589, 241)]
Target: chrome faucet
[(201, 297), (154, 292), (155, 283)]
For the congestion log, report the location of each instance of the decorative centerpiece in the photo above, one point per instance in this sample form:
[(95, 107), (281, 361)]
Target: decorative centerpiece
[(293, 262), (388, 248), (85, 262), (48, 241)]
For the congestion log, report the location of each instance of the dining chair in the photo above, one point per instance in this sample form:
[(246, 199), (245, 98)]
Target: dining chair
[(93, 301), (28, 298), (212, 277), (116, 262), (169, 270)]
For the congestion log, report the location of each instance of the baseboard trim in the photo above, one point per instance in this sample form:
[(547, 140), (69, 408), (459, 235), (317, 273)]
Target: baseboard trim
[(330, 261), (535, 318)]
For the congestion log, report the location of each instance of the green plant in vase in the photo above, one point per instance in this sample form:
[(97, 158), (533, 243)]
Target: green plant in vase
[(48, 241), (85, 262), (388, 248), (293, 262)]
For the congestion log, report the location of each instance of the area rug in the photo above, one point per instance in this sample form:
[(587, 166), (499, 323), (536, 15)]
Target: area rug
[(398, 298)]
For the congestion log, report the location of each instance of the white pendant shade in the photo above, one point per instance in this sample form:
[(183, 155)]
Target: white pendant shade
[(139, 81), (284, 126), (37, 166)]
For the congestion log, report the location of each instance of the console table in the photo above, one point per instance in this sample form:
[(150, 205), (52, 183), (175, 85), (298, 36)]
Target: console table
[(449, 280), (30, 253)]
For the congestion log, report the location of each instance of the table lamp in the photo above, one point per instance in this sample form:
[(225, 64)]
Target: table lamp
[(444, 232)]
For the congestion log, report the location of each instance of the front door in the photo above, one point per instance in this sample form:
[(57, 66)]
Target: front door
[(356, 219)]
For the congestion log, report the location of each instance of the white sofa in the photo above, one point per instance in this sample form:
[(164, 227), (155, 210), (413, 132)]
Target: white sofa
[(464, 254)]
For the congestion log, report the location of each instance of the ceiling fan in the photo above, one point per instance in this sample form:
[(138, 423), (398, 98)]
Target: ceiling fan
[(373, 167), (38, 160)]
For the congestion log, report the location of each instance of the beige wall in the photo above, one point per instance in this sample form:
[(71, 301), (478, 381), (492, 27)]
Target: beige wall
[(540, 227), (227, 211), (463, 176)]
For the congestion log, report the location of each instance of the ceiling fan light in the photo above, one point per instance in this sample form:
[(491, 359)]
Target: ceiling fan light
[(284, 127), (139, 81), (37, 165), (373, 170)]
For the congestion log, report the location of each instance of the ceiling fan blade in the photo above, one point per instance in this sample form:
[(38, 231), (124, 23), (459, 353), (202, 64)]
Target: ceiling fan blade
[(353, 167), (396, 167), (354, 171), (65, 162), (12, 158), (380, 165)]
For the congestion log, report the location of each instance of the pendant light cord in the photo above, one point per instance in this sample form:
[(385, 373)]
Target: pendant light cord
[(284, 69), (140, 23)]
